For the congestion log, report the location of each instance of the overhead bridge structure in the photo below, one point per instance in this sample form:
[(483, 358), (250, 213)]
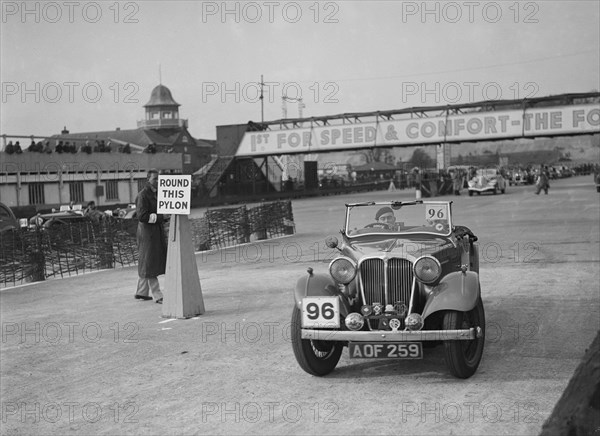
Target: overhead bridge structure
[(558, 115)]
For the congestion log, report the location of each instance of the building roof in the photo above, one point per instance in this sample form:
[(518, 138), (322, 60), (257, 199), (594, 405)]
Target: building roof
[(140, 137), (161, 96)]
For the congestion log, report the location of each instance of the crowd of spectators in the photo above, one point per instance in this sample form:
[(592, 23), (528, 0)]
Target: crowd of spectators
[(69, 147)]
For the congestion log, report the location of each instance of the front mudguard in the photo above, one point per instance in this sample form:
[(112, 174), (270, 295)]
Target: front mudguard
[(320, 285), (456, 291)]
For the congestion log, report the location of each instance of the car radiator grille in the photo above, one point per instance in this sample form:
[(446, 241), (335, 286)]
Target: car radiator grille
[(399, 280)]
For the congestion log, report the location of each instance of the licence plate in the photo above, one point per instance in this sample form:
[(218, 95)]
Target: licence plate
[(397, 350)]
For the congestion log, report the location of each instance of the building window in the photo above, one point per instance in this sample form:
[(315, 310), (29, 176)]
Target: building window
[(167, 115), (187, 158), (184, 139), (36, 193), (76, 192), (112, 190)]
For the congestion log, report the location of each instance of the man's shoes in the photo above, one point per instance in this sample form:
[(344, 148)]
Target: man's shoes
[(159, 301), (142, 297)]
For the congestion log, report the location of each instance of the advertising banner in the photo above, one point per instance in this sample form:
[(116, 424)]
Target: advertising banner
[(476, 126)]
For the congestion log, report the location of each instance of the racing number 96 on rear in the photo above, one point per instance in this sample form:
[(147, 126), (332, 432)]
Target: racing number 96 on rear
[(321, 312)]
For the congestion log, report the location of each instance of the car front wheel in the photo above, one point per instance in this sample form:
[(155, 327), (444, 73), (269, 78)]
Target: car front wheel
[(463, 357), (315, 357)]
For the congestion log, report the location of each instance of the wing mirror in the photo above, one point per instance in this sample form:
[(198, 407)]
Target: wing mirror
[(331, 242)]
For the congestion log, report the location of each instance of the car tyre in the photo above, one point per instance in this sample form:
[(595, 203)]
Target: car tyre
[(463, 357), (315, 357), (470, 193)]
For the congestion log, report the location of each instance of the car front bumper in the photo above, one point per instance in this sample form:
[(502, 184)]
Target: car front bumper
[(484, 189), (393, 336)]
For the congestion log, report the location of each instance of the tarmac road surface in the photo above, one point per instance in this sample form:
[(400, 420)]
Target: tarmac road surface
[(81, 356)]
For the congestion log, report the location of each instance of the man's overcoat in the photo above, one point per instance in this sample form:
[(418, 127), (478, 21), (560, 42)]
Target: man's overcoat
[(152, 245)]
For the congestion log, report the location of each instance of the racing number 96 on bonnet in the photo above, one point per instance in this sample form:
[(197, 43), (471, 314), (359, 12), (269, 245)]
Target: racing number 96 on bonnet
[(405, 274)]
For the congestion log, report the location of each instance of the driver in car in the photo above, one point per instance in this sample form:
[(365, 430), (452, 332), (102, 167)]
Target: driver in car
[(386, 216)]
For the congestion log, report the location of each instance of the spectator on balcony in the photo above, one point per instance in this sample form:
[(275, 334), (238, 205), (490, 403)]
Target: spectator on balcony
[(47, 148), (17, 148), (10, 148), (151, 148), (32, 147)]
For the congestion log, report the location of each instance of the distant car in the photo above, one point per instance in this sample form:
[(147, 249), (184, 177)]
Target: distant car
[(62, 217), (517, 177), (487, 180), (130, 212), (597, 181), (8, 220)]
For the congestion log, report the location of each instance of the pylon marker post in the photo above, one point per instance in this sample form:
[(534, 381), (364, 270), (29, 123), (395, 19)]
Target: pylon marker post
[(182, 296), (183, 292)]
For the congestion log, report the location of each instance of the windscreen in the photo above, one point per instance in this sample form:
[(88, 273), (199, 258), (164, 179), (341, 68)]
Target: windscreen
[(390, 217)]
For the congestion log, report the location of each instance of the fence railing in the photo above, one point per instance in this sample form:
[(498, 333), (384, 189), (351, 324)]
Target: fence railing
[(28, 255)]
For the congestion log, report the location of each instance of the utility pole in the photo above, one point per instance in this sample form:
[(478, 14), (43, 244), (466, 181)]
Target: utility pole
[(262, 105)]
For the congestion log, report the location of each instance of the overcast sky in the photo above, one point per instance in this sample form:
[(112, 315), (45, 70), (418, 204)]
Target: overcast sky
[(92, 65)]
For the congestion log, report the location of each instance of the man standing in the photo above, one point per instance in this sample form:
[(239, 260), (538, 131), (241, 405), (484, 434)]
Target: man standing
[(543, 181), (152, 246)]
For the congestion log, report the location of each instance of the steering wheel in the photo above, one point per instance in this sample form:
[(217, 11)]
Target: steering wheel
[(378, 225)]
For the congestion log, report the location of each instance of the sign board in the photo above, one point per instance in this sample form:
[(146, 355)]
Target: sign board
[(174, 194), (480, 126)]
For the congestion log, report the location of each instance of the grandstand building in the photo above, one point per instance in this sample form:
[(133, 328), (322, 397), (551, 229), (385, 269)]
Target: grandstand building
[(108, 167)]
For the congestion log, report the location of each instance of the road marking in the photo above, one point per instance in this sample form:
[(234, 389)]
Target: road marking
[(167, 320)]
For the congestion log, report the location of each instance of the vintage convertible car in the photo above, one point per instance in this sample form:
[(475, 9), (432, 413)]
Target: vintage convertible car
[(405, 276), (487, 180)]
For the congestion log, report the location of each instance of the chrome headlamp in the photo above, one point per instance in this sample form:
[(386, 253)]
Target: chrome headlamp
[(343, 270), (427, 269)]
